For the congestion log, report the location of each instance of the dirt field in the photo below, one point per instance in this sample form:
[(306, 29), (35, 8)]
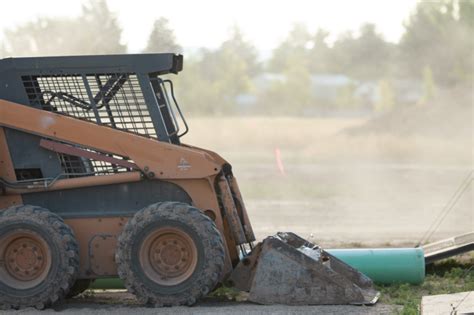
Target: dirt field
[(374, 205), (341, 190)]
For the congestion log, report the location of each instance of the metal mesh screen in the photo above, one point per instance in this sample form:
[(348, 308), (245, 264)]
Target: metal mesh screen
[(122, 105), (113, 99)]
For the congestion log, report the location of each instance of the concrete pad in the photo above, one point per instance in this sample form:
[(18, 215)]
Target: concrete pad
[(462, 303)]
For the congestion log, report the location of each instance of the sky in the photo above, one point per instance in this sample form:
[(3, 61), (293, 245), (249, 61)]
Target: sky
[(207, 23)]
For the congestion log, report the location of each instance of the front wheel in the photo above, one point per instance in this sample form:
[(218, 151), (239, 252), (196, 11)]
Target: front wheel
[(170, 253)]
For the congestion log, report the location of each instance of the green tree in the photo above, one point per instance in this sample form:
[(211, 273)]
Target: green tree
[(301, 46), (346, 96), (95, 31), (366, 57), (215, 78), (429, 86), (386, 96), (438, 35), (99, 30), (162, 38), (294, 49), (466, 13), (291, 59), (193, 91), (237, 44), (290, 95), (320, 53)]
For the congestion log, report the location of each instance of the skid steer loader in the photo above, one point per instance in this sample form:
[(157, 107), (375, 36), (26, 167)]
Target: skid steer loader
[(95, 182)]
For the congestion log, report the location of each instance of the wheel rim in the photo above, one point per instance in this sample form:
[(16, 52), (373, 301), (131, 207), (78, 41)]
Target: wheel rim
[(26, 259), (168, 256)]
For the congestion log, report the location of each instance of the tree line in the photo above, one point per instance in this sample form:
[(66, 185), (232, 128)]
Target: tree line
[(436, 49)]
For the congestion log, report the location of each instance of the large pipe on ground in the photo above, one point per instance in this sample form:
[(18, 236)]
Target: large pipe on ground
[(107, 284), (386, 265)]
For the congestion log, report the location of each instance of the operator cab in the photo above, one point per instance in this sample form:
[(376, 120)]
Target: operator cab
[(125, 92)]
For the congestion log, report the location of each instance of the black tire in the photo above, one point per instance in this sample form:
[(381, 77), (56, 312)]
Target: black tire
[(78, 287), (159, 217), (57, 276)]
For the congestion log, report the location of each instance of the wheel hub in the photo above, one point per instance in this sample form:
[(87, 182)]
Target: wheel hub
[(168, 256), (24, 259)]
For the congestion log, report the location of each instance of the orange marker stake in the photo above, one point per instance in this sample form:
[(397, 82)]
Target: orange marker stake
[(279, 162)]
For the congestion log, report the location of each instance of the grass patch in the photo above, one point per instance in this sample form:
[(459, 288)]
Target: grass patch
[(448, 276), (228, 293)]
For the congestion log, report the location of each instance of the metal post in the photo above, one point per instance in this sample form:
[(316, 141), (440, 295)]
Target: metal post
[(91, 99)]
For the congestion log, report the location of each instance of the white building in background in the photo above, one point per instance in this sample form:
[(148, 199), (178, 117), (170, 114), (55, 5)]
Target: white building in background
[(327, 89)]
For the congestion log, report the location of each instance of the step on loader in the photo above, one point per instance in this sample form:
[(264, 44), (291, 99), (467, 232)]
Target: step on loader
[(96, 183)]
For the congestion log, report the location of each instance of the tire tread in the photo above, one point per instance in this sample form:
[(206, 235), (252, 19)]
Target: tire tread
[(192, 217), (63, 235)]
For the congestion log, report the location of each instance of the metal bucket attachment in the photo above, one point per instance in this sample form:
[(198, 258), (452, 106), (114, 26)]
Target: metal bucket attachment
[(287, 269)]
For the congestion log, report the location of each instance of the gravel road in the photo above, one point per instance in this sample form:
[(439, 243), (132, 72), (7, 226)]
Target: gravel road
[(125, 304)]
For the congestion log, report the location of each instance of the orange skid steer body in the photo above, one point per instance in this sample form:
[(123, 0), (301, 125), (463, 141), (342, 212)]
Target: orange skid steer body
[(95, 182)]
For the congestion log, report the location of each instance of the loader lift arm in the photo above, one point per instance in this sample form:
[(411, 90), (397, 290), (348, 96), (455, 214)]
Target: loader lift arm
[(159, 160)]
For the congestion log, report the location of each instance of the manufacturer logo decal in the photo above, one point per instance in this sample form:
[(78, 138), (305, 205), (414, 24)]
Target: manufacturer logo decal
[(183, 165)]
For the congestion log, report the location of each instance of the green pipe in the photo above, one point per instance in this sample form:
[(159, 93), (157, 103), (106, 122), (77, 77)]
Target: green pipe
[(107, 284), (382, 265), (386, 265)]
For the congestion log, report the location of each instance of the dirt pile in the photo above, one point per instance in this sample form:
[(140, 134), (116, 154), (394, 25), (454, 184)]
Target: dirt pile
[(448, 115)]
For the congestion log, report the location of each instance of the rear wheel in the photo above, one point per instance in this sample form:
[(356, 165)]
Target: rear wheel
[(39, 258), (170, 253)]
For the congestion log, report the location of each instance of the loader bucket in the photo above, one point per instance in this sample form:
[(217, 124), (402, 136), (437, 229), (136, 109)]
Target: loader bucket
[(287, 269)]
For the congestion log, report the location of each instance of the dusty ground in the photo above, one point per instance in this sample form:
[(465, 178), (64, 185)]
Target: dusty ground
[(371, 189), (125, 304), (378, 205)]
